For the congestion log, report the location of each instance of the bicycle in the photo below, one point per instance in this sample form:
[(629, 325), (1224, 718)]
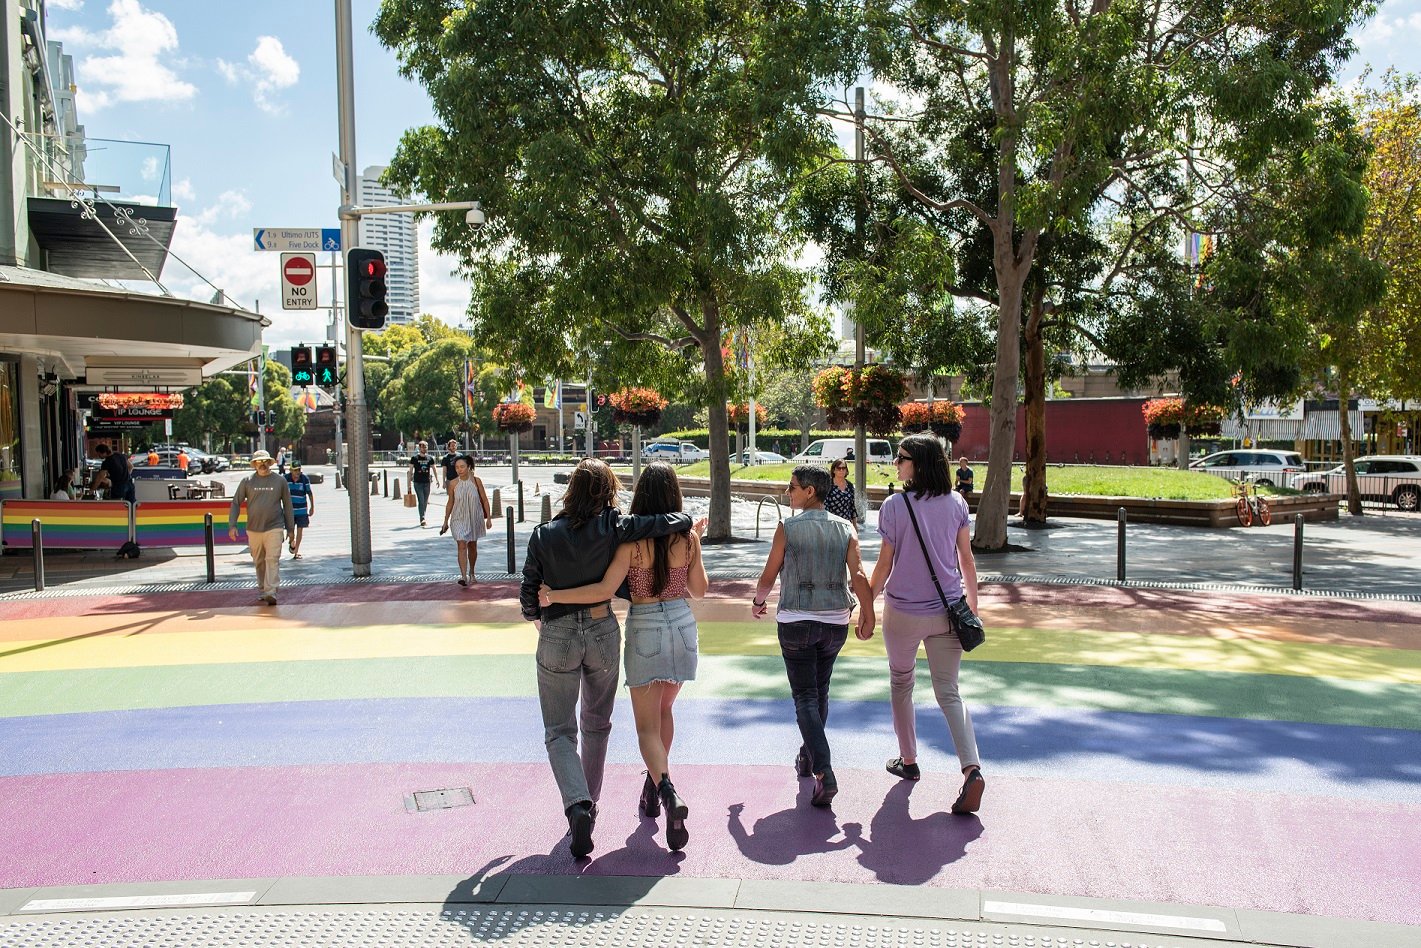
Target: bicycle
[(1249, 506)]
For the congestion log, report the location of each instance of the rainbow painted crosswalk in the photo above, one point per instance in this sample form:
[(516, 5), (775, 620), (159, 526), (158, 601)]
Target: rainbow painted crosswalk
[(1258, 752)]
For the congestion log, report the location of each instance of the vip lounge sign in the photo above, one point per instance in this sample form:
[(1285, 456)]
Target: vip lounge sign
[(142, 407)]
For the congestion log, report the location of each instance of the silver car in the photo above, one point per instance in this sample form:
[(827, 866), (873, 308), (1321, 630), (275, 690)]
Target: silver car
[(1387, 478), (1267, 468)]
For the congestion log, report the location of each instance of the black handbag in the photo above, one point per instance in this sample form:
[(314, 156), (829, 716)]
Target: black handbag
[(963, 620)]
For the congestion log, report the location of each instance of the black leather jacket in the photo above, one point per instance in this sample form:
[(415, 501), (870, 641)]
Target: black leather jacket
[(565, 558)]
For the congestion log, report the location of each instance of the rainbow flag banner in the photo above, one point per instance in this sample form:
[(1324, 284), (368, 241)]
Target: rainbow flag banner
[(179, 523), (67, 524)]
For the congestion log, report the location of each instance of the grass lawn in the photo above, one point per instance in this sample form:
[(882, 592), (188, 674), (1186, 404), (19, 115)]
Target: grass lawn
[(1153, 482)]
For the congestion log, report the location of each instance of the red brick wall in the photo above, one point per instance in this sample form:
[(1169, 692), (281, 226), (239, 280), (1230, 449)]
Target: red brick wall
[(1085, 430)]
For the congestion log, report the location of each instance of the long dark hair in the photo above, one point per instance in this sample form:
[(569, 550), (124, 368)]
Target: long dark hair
[(591, 489), (658, 492), (931, 475)]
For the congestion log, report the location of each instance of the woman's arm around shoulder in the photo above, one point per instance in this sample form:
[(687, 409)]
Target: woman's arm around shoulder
[(592, 592)]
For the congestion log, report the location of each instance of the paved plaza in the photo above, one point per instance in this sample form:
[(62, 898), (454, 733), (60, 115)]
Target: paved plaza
[(1190, 767)]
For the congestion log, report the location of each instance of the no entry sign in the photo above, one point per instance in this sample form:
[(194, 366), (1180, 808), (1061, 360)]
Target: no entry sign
[(298, 281)]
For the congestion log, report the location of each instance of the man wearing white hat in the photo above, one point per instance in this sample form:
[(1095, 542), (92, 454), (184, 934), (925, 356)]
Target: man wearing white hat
[(268, 500)]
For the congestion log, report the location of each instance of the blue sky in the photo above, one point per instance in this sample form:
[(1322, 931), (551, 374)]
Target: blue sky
[(245, 95)]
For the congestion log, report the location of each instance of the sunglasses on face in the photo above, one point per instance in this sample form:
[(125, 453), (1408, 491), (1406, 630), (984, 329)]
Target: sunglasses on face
[(901, 458)]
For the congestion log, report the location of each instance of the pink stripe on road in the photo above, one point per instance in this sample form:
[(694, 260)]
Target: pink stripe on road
[(1168, 844)]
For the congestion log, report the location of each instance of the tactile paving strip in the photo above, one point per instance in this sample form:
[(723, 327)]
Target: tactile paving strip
[(530, 926)]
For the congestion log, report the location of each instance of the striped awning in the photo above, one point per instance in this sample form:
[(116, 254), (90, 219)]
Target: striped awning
[(1326, 426), (1263, 429)]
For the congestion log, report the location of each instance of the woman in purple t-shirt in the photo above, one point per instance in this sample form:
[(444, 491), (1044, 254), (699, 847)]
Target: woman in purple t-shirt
[(913, 613)]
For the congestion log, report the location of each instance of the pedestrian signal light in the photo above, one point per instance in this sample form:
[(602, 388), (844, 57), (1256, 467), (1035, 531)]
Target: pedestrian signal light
[(301, 372), (366, 289), (327, 372)]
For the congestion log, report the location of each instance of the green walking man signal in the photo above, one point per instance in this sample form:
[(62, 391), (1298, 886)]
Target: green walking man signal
[(327, 371)]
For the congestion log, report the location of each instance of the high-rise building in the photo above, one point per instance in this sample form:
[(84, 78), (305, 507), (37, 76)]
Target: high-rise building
[(397, 237)]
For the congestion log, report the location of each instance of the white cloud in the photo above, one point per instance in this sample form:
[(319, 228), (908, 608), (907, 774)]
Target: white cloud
[(183, 190), (66, 4), (229, 204), (442, 292), (1397, 22), (143, 42), (268, 70)]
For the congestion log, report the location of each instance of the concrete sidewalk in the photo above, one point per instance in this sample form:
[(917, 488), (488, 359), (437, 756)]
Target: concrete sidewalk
[(1375, 555)]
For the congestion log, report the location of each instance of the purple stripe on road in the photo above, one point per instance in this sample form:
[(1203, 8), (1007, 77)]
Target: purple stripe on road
[(1117, 840)]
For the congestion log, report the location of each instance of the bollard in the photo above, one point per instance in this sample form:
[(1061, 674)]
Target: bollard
[(37, 538), (209, 543), (537, 488), (520, 502), (387, 482), (338, 483), (508, 513), (1120, 546), (398, 495), (547, 513), (497, 503), (1298, 551), (374, 484)]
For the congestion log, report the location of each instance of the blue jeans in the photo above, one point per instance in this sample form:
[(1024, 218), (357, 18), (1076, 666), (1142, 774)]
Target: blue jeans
[(809, 650), (421, 491), (577, 657)]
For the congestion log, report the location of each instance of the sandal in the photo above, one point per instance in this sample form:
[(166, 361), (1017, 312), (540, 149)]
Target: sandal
[(295, 556)]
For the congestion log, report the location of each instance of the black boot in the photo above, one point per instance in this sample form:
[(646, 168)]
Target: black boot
[(650, 805), (676, 812)]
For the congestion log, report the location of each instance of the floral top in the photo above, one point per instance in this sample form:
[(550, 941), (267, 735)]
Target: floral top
[(840, 502)]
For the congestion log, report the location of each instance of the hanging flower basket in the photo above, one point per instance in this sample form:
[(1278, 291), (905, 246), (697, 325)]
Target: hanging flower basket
[(1203, 420), (514, 417), (869, 397), (942, 418), (1164, 417), (636, 406), (738, 415)]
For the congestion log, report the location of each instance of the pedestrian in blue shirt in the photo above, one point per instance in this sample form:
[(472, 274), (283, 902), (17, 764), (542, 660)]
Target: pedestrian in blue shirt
[(303, 504)]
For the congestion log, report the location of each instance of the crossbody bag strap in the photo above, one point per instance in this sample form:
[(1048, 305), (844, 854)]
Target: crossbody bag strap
[(927, 557)]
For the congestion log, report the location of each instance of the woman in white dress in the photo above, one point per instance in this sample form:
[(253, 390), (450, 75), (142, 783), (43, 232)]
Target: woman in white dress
[(467, 515)]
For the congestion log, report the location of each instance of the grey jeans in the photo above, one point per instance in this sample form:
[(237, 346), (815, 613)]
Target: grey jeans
[(578, 657)]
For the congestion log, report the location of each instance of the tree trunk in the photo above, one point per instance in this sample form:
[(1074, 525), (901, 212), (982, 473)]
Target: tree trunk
[(719, 527), (1344, 424), (993, 506), (1033, 489)]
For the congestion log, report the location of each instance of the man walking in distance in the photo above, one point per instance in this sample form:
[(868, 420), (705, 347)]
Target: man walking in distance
[(579, 647), (268, 500), (447, 462), (421, 475), (815, 555)]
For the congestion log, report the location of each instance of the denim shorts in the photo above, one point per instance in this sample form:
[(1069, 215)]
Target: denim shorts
[(660, 643)]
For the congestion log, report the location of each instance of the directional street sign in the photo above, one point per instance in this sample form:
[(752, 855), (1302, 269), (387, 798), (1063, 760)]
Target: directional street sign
[(297, 239), (298, 281)]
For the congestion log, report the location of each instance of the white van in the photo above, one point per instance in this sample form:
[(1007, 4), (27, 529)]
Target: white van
[(831, 449)]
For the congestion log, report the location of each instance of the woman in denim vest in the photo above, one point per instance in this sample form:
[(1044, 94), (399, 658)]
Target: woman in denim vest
[(913, 613), (816, 557)]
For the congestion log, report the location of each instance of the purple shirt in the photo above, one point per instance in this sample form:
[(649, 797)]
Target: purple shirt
[(910, 587)]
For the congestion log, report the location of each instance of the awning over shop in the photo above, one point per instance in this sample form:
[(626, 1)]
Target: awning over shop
[(80, 325), (1263, 429), (1325, 425)]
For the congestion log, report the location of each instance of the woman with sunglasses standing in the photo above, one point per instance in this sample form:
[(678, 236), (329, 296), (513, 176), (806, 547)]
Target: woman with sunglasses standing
[(841, 501), (914, 613)]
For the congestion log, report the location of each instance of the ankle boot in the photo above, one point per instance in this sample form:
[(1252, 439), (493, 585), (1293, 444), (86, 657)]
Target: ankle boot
[(676, 812), (650, 804)]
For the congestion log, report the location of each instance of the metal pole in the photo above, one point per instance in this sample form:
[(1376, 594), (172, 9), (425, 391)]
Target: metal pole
[(37, 542), (1298, 551), (1120, 546), (358, 420), (860, 213), (750, 402), (209, 543), (636, 454), (386, 475), (520, 502), (508, 515), (591, 448), (513, 439)]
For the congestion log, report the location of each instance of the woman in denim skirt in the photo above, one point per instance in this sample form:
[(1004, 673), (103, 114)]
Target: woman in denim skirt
[(662, 575)]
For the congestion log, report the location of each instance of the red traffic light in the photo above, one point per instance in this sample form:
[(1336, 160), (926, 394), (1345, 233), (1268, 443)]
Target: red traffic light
[(374, 268)]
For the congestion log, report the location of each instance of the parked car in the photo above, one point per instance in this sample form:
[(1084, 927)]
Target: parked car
[(1267, 468), (167, 457), (211, 463), (831, 449), (673, 451), (761, 457), (1388, 478)]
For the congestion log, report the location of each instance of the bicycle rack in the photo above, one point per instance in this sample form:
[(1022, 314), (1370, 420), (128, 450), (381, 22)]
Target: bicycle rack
[(760, 505)]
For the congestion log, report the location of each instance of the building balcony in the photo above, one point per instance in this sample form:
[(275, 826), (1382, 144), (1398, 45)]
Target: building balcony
[(100, 208)]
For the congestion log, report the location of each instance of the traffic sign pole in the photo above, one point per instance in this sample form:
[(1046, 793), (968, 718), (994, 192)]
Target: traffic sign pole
[(358, 418)]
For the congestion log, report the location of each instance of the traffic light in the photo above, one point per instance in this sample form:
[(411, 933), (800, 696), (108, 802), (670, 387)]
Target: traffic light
[(327, 371), (301, 373), (366, 289), (259, 418)]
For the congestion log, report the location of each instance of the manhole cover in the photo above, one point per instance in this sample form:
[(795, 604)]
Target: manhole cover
[(422, 800)]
